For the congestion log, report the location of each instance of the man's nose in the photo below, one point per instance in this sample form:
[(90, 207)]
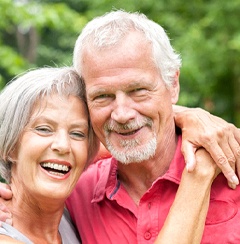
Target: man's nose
[(123, 109)]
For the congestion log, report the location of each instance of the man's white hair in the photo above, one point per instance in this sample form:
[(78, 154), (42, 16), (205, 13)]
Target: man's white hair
[(108, 30)]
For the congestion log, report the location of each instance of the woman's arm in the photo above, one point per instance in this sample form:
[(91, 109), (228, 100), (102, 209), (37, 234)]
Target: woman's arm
[(220, 138), (186, 219)]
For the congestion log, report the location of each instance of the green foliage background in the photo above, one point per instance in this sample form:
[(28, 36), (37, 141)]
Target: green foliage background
[(37, 33)]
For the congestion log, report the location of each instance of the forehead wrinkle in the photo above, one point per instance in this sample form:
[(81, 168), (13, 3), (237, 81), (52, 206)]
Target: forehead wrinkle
[(80, 123), (128, 85)]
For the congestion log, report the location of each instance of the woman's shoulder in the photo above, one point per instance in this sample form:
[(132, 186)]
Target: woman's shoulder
[(9, 240), (67, 230), (9, 234)]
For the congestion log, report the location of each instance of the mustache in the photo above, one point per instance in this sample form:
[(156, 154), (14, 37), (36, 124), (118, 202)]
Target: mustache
[(112, 125)]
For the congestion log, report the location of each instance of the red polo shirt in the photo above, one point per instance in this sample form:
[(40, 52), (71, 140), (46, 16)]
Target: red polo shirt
[(104, 213)]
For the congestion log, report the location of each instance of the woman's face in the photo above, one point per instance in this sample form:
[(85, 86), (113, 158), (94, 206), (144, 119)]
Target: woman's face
[(52, 151)]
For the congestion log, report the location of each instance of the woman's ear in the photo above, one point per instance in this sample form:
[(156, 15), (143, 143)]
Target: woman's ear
[(175, 88), (12, 156)]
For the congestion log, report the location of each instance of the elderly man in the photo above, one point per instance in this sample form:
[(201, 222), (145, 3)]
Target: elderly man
[(131, 73)]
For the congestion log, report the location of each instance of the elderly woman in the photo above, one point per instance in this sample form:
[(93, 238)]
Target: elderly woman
[(46, 139)]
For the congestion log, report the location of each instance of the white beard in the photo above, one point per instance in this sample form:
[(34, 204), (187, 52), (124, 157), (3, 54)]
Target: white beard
[(132, 151)]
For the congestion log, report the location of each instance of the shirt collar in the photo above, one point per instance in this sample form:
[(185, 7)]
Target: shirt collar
[(107, 178), (177, 165), (108, 182)]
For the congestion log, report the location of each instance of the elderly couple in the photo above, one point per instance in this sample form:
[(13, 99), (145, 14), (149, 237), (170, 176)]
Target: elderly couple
[(160, 184)]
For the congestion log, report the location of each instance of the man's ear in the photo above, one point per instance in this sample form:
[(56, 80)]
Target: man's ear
[(175, 88)]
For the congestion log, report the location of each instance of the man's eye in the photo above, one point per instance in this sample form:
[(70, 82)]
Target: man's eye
[(102, 96), (139, 91)]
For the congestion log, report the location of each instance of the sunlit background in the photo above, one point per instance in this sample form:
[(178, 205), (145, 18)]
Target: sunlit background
[(205, 33)]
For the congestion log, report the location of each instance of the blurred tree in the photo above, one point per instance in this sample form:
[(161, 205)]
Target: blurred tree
[(36, 33), (206, 33)]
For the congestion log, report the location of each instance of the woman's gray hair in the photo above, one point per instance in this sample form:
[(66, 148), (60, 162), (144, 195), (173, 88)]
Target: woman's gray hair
[(18, 98), (109, 29)]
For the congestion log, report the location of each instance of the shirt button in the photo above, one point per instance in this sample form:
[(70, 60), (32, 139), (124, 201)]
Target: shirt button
[(147, 235)]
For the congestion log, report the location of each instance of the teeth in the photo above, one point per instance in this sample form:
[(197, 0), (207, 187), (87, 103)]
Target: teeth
[(56, 173), (127, 134), (56, 166)]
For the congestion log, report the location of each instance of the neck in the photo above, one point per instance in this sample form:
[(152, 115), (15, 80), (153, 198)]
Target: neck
[(137, 178), (35, 219)]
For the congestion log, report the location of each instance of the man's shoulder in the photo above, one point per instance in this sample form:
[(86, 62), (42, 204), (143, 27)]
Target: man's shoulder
[(222, 221), (224, 202)]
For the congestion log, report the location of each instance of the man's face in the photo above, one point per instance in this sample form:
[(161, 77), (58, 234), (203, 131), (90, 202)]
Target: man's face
[(129, 104)]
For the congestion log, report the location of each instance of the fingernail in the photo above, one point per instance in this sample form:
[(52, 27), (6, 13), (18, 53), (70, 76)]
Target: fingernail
[(235, 180), (189, 166), (231, 185)]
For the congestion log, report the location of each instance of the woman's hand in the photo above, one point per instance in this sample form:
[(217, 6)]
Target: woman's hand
[(219, 138), (186, 219)]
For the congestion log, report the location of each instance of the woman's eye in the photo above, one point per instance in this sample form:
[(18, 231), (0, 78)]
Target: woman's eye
[(43, 129), (78, 134)]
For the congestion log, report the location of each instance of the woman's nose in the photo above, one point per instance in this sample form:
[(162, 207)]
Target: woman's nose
[(61, 142)]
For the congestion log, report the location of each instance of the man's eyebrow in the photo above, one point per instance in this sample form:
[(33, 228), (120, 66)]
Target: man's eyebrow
[(96, 91), (137, 83)]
